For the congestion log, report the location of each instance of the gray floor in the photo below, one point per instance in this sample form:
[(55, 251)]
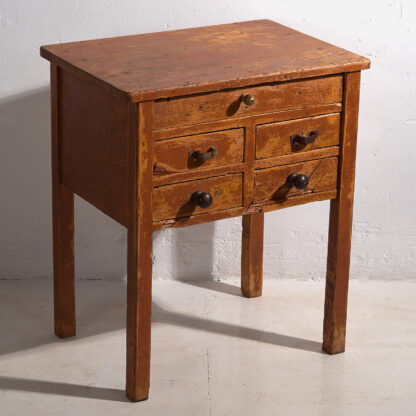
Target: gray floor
[(213, 352)]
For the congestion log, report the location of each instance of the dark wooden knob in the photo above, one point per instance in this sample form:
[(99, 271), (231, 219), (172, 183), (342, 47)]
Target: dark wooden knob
[(203, 199), (300, 181), (247, 99)]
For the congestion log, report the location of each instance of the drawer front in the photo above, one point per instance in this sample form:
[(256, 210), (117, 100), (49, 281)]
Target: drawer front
[(175, 201), (199, 151), (297, 135), (267, 98), (273, 185)]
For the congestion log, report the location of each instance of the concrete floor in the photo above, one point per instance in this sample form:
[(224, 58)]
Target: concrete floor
[(214, 353)]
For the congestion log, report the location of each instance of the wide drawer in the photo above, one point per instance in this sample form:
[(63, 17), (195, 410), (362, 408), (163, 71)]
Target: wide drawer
[(274, 184), (176, 201), (267, 98), (199, 151), (297, 135)]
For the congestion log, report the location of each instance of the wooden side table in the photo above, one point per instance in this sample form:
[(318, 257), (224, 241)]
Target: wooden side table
[(183, 127)]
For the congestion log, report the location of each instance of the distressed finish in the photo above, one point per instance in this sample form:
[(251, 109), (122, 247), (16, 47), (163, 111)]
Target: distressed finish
[(63, 228), (271, 184), (174, 129), (139, 255), (174, 156), (277, 138), (93, 146), (174, 201), (180, 62), (267, 98), (340, 225), (252, 255)]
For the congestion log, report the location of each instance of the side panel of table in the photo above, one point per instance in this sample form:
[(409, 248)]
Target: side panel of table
[(93, 145)]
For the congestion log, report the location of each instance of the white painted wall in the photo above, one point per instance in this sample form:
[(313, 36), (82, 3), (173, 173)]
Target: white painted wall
[(384, 241)]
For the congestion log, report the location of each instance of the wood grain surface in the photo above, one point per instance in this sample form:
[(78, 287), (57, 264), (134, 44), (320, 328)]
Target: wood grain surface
[(267, 98), (296, 157), (235, 212), (237, 122), (63, 223), (275, 139), (271, 185), (252, 254), (174, 201), (94, 151), (180, 62), (128, 111), (139, 251), (173, 156), (340, 225)]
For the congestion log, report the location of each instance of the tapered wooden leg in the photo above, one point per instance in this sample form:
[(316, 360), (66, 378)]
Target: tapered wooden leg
[(252, 255), (340, 225), (63, 232), (139, 268)]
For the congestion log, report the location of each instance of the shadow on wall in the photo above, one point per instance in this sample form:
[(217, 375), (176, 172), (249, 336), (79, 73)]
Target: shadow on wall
[(25, 184), (25, 209), (100, 242)]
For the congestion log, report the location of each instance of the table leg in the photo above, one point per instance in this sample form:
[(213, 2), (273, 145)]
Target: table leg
[(63, 232), (63, 261), (252, 255), (139, 256), (340, 224)]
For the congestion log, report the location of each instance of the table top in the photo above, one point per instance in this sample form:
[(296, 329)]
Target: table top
[(179, 62)]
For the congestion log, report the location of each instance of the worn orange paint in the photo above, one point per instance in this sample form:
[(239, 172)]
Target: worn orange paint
[(127, 111)]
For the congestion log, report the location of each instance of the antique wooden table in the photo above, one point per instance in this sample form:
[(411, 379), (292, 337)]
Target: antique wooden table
[(183, 127)]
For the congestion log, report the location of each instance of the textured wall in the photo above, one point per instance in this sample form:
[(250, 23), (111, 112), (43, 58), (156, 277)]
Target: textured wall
[(384, 241)]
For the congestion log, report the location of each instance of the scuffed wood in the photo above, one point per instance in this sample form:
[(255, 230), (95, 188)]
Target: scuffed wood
[(297, 200), (275, 139), (172, 156), (252, 255), (226, 104), (296, 157), (249, 149), (174, 201), (235, 212), (180, 62), (63, 223), (197, 174), (243, 121), (139, 252), (340, 225), (126, 113), (94, 146), (271, 184)]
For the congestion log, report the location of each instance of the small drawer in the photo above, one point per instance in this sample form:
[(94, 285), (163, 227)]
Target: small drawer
[(282, 182), (269, 98), (198, 152), (297, 135), (180, 200)]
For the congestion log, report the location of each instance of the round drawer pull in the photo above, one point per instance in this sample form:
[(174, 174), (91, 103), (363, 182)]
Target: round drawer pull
[(300, 181), (247, 99), (203, 199)]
